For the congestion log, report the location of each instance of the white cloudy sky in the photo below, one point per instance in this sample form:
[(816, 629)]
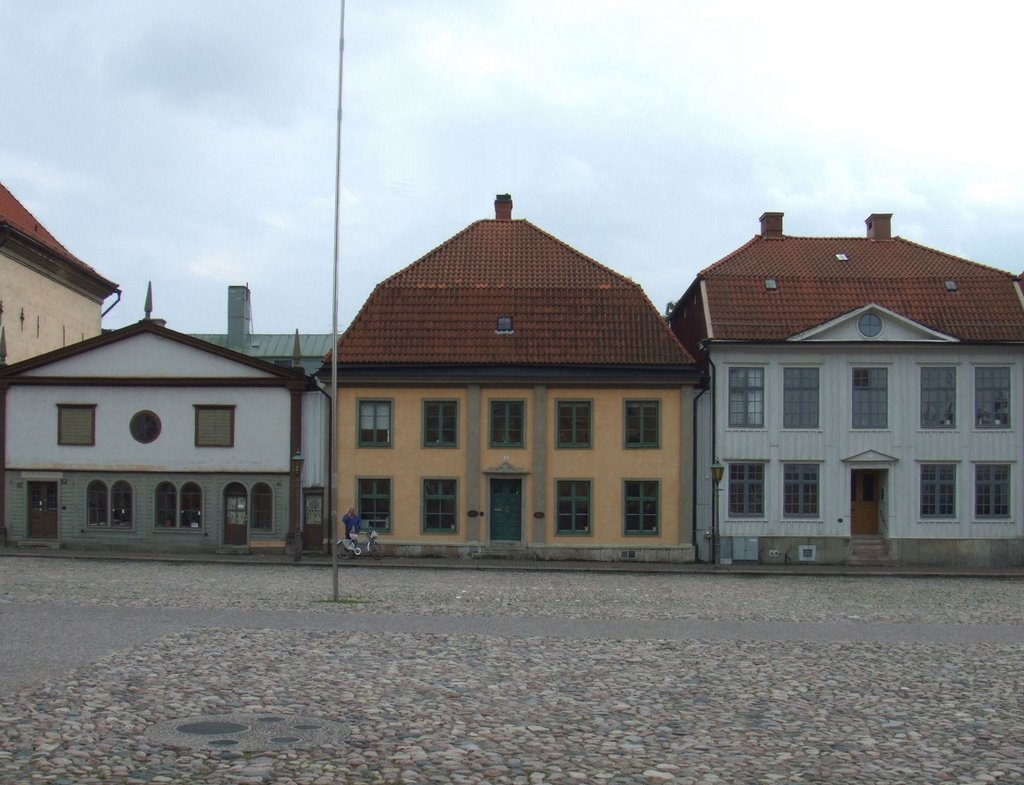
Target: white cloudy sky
[(191, 143)]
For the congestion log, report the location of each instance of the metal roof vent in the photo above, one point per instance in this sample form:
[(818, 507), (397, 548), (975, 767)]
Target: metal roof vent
[(950, 285)]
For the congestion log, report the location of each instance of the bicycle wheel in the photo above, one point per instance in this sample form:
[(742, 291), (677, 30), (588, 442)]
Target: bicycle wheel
[(373, 548), (343, 552)]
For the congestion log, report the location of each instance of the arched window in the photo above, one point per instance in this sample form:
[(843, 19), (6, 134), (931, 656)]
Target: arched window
[(96, 503), (166, 505), (191, 506), (262, 506), (121, 505)]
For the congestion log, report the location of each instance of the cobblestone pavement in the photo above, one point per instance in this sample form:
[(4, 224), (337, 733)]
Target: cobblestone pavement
[(445, 706)]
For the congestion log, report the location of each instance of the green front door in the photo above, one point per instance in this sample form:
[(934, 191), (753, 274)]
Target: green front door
[(506, 510)]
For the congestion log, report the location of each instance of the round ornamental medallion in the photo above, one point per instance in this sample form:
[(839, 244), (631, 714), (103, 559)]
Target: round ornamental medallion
[(145, 427)]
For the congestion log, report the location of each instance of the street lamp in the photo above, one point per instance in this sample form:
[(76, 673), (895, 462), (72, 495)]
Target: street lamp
[(717, 470)]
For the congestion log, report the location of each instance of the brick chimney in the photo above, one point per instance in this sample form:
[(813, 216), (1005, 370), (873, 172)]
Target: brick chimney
[(503, 207), (771, 225), (879, 226)]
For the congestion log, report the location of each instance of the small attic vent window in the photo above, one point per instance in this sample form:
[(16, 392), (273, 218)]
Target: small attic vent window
[(504, 325), (771, 284), (951, 285), (842, 257)]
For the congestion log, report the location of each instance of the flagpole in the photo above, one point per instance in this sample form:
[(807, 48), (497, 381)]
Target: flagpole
[(332, 441)]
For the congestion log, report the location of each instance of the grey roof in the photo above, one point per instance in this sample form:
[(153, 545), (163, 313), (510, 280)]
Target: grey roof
[(271, 346)]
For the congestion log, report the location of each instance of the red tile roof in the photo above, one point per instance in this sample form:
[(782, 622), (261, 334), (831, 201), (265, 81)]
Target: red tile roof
[(14, 216), (815, 286), (567, 309)]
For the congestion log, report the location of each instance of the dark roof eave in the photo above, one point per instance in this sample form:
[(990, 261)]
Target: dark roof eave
[(633, 374), (85, 276)]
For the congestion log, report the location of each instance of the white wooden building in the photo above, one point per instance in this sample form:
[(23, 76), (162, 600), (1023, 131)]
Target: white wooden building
[(864, 402)]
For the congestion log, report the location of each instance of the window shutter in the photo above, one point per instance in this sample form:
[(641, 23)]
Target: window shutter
[(214, 427), (75, 425)]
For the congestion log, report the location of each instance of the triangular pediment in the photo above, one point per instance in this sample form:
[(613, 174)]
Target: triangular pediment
[(146, 351), (506, 468), (872, 323), (870, 456)]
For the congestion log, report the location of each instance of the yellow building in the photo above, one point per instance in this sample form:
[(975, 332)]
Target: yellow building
[(506, 394), (48, 297)]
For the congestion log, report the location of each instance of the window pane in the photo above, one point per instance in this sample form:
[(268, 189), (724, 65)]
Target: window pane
[(262, 507), (166, 505), (800, 490), (938, 490), (96, 503), (573, 423), (573, 506), (642, 423), (374, 503), (191, 506), (641, 506), (992, 397), (746, 489), (374, 423), (800, 398), (746, 397), (121, 505), (439, 505), (439, 423), (992, 491), (938, 397), (506, 423), (870, 398)]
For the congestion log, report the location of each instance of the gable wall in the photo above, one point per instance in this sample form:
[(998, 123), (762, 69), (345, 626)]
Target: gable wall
[(55, 315), (147, 356)]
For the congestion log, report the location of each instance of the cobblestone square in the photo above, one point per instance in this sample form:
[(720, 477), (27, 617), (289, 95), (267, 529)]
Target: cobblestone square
[(494, 676)]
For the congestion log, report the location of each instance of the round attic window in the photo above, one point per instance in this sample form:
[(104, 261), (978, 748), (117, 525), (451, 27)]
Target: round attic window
[(869, 325), (145, 427)]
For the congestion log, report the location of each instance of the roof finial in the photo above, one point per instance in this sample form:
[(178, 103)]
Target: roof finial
[(149, 301)]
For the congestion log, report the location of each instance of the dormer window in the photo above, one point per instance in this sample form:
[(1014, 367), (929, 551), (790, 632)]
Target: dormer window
[(504, 325), (869, 325)]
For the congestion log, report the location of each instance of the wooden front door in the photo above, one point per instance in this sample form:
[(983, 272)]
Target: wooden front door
[(313, 522), (42, 510), (236, 517), (506, 510), (865, 485)]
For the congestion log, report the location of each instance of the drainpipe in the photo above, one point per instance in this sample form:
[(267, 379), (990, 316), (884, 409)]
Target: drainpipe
[(714, 439), (693, 467), (111, 308)]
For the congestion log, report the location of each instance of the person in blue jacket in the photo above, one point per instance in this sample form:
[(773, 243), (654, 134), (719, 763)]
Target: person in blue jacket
[(352, 522)]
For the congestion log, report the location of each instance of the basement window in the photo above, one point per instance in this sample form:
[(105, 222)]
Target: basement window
[(504, 325)]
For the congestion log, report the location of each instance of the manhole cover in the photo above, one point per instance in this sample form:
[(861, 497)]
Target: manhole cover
[(247, 732)]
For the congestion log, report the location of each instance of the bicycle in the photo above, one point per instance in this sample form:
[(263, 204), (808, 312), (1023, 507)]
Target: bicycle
[(350, 548)]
